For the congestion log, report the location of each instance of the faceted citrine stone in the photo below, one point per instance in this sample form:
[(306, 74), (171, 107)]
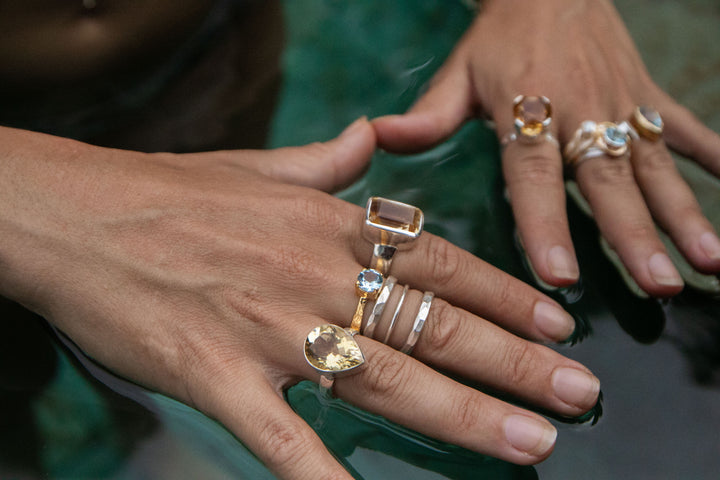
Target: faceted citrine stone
[(331, 349), (394, 215), (532, 111)]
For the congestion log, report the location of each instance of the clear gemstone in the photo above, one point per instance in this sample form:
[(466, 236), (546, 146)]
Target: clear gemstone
[(651, 115), (330, 348), (369, 280), (615, 137)]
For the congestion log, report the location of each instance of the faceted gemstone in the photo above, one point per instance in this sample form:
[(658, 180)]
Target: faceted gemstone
[(615, 137), (369, 280), (385, 213), (651, 115), (330, 348), (532, 111)]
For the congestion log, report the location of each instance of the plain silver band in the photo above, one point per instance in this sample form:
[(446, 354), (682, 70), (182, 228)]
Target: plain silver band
[(419, 323), (379, 306), (395, 315)]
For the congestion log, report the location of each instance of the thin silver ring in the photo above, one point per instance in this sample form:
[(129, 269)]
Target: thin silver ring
[(395, 315), (422, 315), (379, 307)]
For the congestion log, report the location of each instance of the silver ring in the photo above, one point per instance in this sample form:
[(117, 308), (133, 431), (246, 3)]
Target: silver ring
[(395, 315), (379, 307), (422, 315), (390, 225)]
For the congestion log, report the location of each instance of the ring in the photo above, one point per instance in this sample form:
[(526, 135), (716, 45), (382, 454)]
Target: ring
[(419, 323), (396, 314), (379, 306), (367, 287), (532, 117), (647, 122), (593, 140), (390, 225), (332, 350)]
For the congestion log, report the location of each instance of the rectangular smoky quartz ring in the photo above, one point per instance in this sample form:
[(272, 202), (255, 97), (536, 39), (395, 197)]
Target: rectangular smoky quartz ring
[(390, 225)]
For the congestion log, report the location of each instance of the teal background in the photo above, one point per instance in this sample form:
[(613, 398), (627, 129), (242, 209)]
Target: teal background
[(658, 361)]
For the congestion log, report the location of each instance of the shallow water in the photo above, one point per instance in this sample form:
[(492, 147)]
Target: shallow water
[(658, 363)]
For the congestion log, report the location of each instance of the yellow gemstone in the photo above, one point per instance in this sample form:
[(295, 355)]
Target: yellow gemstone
[(532, 112), (384, 213), (331, 349)]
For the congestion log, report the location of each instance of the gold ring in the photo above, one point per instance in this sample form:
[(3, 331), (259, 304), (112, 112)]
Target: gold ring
[(647, 123), (593, 140)]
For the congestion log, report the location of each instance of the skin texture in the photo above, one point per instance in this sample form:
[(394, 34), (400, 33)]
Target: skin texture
[(600, 78), (199, 275)]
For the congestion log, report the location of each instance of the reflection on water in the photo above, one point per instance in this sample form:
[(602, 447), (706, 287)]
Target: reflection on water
[(658, 363)]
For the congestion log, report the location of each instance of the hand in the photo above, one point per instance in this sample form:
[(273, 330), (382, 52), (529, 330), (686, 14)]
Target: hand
[(579, 55), (200, 275)]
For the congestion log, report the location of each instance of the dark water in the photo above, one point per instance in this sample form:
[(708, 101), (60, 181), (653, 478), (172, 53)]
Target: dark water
[(658, 363)]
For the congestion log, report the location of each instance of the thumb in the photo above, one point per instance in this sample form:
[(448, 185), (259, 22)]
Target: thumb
[(434, 117), (327, 166)]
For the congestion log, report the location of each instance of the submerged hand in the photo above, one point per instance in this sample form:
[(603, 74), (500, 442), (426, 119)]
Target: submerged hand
[(580, 56), (200, 276)]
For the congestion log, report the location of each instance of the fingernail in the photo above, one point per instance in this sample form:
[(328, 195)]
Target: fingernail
[(554, 322), (663, 271), (562, 264), (575, 387), (350, 129), (529, 435), (710, 245)]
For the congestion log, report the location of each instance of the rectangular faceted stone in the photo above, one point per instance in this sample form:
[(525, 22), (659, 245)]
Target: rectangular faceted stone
[(394, 215)]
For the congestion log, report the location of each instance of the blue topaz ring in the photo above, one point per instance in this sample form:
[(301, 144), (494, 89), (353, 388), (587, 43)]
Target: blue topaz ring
[(532, 119), (647, 122), (593, 140), (390, 225)]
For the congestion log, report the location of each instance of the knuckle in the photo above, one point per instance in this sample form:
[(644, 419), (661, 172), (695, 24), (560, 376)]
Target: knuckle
[(444, 261), (442, 326), (655, 161), (519, 361), (467, 413), (641, 232), (319, 213), (536, 170), (387, 375), (605, 171), (283, 443)]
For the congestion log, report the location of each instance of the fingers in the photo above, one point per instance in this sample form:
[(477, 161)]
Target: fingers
[(689, 136), (407, 392), (623, 217), (435, 116), (470, 283), (458, 341), (327, 166), (534, 178), (258, 415), (674, 206)]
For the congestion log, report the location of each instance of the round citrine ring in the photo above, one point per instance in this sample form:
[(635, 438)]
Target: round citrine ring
[(532, 119)]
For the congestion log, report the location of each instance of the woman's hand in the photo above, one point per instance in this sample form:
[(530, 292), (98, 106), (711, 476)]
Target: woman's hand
[(200, 276), (579, 55)]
